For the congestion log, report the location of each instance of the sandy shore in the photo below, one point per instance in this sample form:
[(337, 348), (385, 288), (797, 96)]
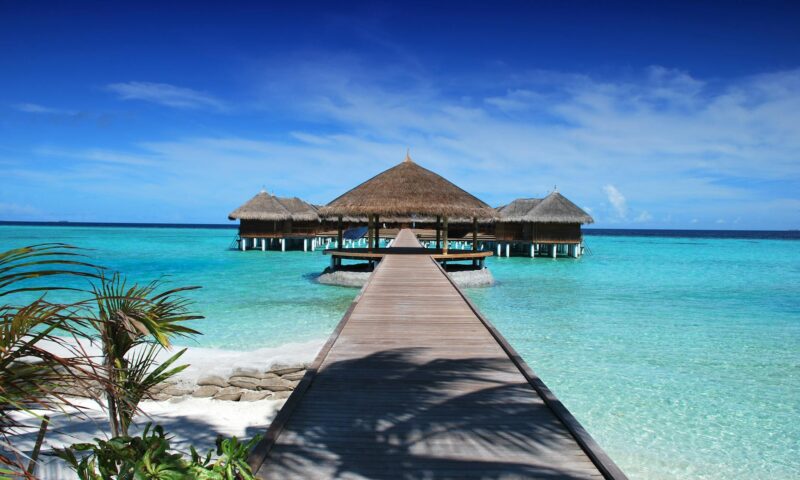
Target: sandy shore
[(190, 421)]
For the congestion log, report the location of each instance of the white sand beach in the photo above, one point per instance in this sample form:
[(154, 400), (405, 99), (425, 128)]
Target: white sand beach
[(189, 421)]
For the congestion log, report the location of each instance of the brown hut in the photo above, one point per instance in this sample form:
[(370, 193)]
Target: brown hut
[(548, 226), (407, 190), (266, 218)]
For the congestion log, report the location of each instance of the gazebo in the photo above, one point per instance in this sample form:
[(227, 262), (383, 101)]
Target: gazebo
[(547, 223), (408, 190), (266, 217)]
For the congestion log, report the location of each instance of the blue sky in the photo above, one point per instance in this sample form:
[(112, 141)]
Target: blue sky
[(669, 116)]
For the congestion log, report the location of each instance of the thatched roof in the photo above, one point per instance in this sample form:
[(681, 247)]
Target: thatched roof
[(517, 210), (268, 207), (408, 189), (299, 209), (554, 208)]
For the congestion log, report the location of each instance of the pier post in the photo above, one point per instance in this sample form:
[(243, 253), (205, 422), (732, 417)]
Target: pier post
[(498, 249), (446, 244), (370, 232), (305, 244), (263, 244), (532, 250), (283, 244), (438, 231), (554, 247), (377, 232), (339, 232), (243, 243), (508, 250)]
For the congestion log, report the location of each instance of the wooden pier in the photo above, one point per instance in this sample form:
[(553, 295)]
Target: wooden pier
[(415, 384)]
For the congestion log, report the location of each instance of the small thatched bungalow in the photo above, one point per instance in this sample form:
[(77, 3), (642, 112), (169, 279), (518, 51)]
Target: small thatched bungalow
[(547, 226), (266, 219)]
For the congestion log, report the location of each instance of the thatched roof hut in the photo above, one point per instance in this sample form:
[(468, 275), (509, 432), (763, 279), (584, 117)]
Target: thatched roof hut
[(408, 189), (554, 208), (271, 208)]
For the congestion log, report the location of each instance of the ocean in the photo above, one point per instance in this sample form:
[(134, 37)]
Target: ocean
[(679, 351)]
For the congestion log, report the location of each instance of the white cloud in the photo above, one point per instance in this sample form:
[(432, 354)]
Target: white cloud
[(644, 216), (617, 200), (41, 109), (165, 94)]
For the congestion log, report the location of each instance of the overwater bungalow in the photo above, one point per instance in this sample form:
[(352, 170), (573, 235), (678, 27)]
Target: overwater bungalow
[(407, 192), (267, 221), (549, 226)]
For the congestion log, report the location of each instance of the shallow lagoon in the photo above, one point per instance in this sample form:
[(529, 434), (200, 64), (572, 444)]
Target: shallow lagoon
[(680, 355)]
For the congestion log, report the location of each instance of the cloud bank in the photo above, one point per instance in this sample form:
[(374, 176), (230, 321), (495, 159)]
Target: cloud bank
[(655, 148)]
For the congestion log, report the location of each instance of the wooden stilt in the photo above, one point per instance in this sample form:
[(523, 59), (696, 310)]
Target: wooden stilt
[(370, 231), (438, 232), (444, 232), (339, 233), (377, 232)]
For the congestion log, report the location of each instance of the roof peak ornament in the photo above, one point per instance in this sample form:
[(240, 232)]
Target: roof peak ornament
[(408, 156)]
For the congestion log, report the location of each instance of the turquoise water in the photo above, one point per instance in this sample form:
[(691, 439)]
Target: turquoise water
[(681, 356)]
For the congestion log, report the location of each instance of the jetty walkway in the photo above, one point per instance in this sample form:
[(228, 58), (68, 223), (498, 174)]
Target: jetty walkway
[(415, 384)]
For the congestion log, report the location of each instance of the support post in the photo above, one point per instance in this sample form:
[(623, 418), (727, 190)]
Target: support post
[(508, 250), (263, 244), (554, 247), (243, 243), (444, 231), (370, 231), (339, 233), (377, 232), (499, 246), (474, 239), (438, 231), (531, 250), (305, 244), (283, 244)]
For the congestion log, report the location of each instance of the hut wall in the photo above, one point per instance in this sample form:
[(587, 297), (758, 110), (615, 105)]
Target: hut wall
[(538, 232), (280, 228), (556, 233)]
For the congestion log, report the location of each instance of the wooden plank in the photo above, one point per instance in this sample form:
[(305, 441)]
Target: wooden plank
[(415, 383)]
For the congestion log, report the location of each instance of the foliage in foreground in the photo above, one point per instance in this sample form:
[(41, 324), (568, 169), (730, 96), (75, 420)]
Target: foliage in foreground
[(134, 323), (32, 376), (149, 457)]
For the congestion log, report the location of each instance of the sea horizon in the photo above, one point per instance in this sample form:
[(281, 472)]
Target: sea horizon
[(788, 234)]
